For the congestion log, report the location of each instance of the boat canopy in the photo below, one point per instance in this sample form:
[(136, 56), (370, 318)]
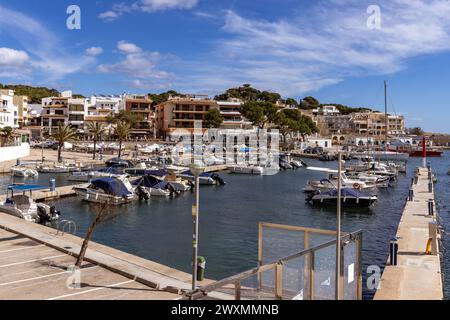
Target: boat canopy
[(149, 181), (25, 187), (112, 186), (205, 174), (156, 173), (345, 192)]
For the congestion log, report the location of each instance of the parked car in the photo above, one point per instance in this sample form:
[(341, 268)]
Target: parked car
[(313, 150)]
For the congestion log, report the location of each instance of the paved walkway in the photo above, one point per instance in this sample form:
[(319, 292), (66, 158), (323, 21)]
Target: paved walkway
[(417, 275), (34, 260)]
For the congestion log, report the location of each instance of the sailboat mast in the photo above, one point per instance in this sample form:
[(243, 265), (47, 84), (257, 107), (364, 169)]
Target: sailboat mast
[(385, 116)]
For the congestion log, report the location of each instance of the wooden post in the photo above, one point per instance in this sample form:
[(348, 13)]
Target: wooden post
[(311, 276), (279, 281), (237, 290)]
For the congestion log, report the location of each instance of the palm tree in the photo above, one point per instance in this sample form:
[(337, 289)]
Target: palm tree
[(6, 133), (96, 129), (62, 135), (123, 130)]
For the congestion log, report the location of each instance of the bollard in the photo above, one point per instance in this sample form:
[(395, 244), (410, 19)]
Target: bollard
[(411, 195), (430, 187), (430, 207), (393, 250), (201, 266), (52, 185)]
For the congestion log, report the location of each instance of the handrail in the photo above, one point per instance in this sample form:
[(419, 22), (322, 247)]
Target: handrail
[(236, 279)]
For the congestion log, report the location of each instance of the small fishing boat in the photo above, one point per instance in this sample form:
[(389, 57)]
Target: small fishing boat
[(86, 176), (255, 170), (23, 206), (23, 172), (110, 190), (206, 178), (57, 168), (349, 198)]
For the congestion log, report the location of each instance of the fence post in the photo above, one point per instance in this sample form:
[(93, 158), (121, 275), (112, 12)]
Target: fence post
[(341, 273), (260, 253), (237, 290), (279, 281), (311, 276), (359, 267)]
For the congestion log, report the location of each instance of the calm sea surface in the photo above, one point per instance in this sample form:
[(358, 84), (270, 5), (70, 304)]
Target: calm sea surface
[(161, 230)]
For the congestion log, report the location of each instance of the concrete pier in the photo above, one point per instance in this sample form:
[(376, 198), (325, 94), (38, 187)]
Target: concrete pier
[(417, 275), (34, 261), (43, 195)]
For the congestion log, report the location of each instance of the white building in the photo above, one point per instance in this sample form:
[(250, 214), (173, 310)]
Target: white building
[(9, 113), (231, 113)]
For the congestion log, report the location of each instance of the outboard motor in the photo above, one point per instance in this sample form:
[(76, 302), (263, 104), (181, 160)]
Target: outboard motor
[(191, 185), (172, 190), (218, 179), (54, 213), (142, 193)]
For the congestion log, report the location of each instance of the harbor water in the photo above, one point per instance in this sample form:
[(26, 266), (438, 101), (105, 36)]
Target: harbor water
[(161, 229)]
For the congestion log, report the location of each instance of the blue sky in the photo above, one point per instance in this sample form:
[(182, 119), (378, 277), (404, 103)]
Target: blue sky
[(298, 48)]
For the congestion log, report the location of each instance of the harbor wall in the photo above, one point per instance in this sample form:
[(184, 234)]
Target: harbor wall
[(15, 152)]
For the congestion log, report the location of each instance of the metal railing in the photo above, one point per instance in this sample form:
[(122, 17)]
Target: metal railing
[(299, 276)]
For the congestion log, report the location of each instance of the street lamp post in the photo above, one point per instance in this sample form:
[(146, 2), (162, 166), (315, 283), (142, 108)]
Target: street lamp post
[(338, 231), (196, 170)]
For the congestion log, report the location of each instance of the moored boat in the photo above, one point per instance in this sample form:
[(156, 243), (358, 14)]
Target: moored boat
[(349, 198), (255, 170), (109, 190), (20, 204), (23, 172)]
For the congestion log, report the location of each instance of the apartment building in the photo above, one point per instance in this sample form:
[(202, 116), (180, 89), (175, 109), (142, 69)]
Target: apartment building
[(181, 112), (9, 113), (231, 113), (141, 107), (62, 111), (374, 124), (22, 105), (101, 108)]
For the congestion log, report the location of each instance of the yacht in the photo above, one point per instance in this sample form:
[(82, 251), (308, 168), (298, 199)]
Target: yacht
[(349, 198), (23, 172), (20, 204), (206, 178), (150, 186), (110, 190), (255, 170)]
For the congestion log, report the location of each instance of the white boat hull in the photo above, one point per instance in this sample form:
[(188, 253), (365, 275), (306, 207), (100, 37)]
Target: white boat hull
[(97, 196)]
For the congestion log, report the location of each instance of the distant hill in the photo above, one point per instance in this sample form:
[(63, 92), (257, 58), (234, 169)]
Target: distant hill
[(35, 94)]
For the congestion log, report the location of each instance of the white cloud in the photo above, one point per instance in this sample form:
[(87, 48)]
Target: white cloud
[(12, 58), (148, 6), (128, 47), (159, 5), (94, 51), (13, 63), (324, 45), (47, 56), (136, 62)]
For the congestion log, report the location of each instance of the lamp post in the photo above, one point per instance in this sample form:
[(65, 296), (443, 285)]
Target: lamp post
[(338, 231), (196, 170)]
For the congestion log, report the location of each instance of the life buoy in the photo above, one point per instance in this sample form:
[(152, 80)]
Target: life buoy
[(356, 186)]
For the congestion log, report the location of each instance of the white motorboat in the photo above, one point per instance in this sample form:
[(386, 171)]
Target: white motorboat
[(255, 170), (86, 176), (150, 186), (382, 155), (109, 190), (349, 198), (206, 178), (23, 172), (23, 206)]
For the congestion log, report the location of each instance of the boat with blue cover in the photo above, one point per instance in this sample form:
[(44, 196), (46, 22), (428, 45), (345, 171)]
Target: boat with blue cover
[(19, 203), (110, 190), (349, 198), (150, 186)]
